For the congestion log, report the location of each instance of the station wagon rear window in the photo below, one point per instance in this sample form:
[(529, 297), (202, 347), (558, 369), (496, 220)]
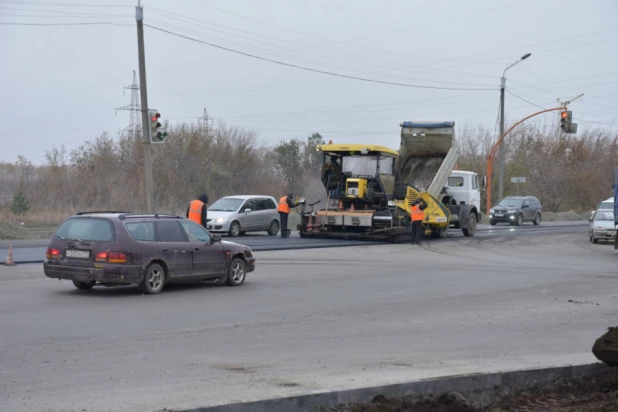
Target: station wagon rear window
[(87, 229)]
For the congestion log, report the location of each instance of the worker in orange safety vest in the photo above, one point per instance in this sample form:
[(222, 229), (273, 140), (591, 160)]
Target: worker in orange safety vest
[(197, 210), (417, 215), (285, 205)]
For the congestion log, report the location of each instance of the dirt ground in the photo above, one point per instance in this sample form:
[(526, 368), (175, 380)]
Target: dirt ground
[(589, 394)]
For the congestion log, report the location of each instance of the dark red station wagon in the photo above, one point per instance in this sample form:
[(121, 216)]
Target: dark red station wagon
[(117, 248)]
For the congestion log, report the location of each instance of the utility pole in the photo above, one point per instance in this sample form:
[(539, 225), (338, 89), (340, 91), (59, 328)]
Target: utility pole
[(139, 17), (501, 149), (501, 160)]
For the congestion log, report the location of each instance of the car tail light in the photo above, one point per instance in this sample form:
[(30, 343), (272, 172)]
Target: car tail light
[(52, 253), (111, 257)]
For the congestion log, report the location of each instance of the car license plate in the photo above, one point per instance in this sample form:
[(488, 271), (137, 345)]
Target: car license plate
[(78, 254), (499, 215)]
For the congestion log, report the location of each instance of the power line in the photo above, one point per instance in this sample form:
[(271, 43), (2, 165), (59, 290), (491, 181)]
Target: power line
[(67, 24), (310, 69), (63, 12), (39, 3), (345, 41), (60, 17), (191, 20), (356, 62), (524, 100)]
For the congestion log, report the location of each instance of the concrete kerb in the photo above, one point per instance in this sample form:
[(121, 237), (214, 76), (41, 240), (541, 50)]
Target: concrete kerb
[(507, 381)]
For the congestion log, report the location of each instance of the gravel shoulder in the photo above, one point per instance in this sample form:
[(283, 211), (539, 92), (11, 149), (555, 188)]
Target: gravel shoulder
[(591, 394)]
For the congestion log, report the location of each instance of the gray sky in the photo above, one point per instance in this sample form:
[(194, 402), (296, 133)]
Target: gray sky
[(61, 84)]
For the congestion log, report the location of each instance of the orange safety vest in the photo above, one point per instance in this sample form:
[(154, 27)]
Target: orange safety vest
[(195, 211), (283, 205), (417, 213)]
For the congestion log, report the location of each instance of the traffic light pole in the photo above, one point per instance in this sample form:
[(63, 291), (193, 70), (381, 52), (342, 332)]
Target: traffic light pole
[(139, 17)]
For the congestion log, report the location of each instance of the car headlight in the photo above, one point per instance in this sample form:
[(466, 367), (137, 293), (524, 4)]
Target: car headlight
[(220, 220), (511, 211), (391, 203), (248, 252)]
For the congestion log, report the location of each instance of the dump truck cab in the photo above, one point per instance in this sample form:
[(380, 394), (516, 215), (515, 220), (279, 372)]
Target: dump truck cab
[(462, 187)]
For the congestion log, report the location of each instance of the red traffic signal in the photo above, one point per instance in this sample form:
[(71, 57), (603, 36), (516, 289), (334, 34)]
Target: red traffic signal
[(564, 115), (155, 117)]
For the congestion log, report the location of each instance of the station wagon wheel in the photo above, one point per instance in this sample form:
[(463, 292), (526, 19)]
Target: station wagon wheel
[(234, 229), (83, 285), (236, 273), (274, 228), (154, 279)]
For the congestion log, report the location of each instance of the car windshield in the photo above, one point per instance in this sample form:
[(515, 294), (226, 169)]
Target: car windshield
[(86, 229), (226, 205), (606, 205), (605, 215), (511, 202)]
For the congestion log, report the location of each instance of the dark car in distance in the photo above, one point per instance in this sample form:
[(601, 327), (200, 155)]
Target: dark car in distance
[(117, 248), (516, 210)]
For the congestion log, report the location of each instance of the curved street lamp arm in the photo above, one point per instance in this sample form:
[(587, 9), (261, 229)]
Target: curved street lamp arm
[(494, 149)]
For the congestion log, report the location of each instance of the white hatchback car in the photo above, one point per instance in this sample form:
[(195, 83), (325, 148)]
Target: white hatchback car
[(239, 214)]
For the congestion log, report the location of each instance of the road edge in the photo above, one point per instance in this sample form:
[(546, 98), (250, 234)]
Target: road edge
[(516, 380)]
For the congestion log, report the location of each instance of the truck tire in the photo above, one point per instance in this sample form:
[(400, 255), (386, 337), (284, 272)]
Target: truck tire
[(471, 229)]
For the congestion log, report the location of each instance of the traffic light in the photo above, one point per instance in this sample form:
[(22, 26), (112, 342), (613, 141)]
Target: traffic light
[(566, 124), (157, 135)]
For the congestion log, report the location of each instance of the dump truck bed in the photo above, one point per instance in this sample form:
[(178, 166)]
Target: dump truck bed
[(426, 155)]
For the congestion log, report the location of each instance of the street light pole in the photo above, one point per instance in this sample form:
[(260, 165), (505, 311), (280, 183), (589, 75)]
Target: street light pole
[(501, 149)]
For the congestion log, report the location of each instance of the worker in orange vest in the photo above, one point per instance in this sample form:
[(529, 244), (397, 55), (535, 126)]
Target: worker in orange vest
[(197, 210), (416, 213), (285, 205)]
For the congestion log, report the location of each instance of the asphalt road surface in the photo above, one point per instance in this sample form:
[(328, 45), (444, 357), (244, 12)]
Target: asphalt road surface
[(307, 320), (34, 250)]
